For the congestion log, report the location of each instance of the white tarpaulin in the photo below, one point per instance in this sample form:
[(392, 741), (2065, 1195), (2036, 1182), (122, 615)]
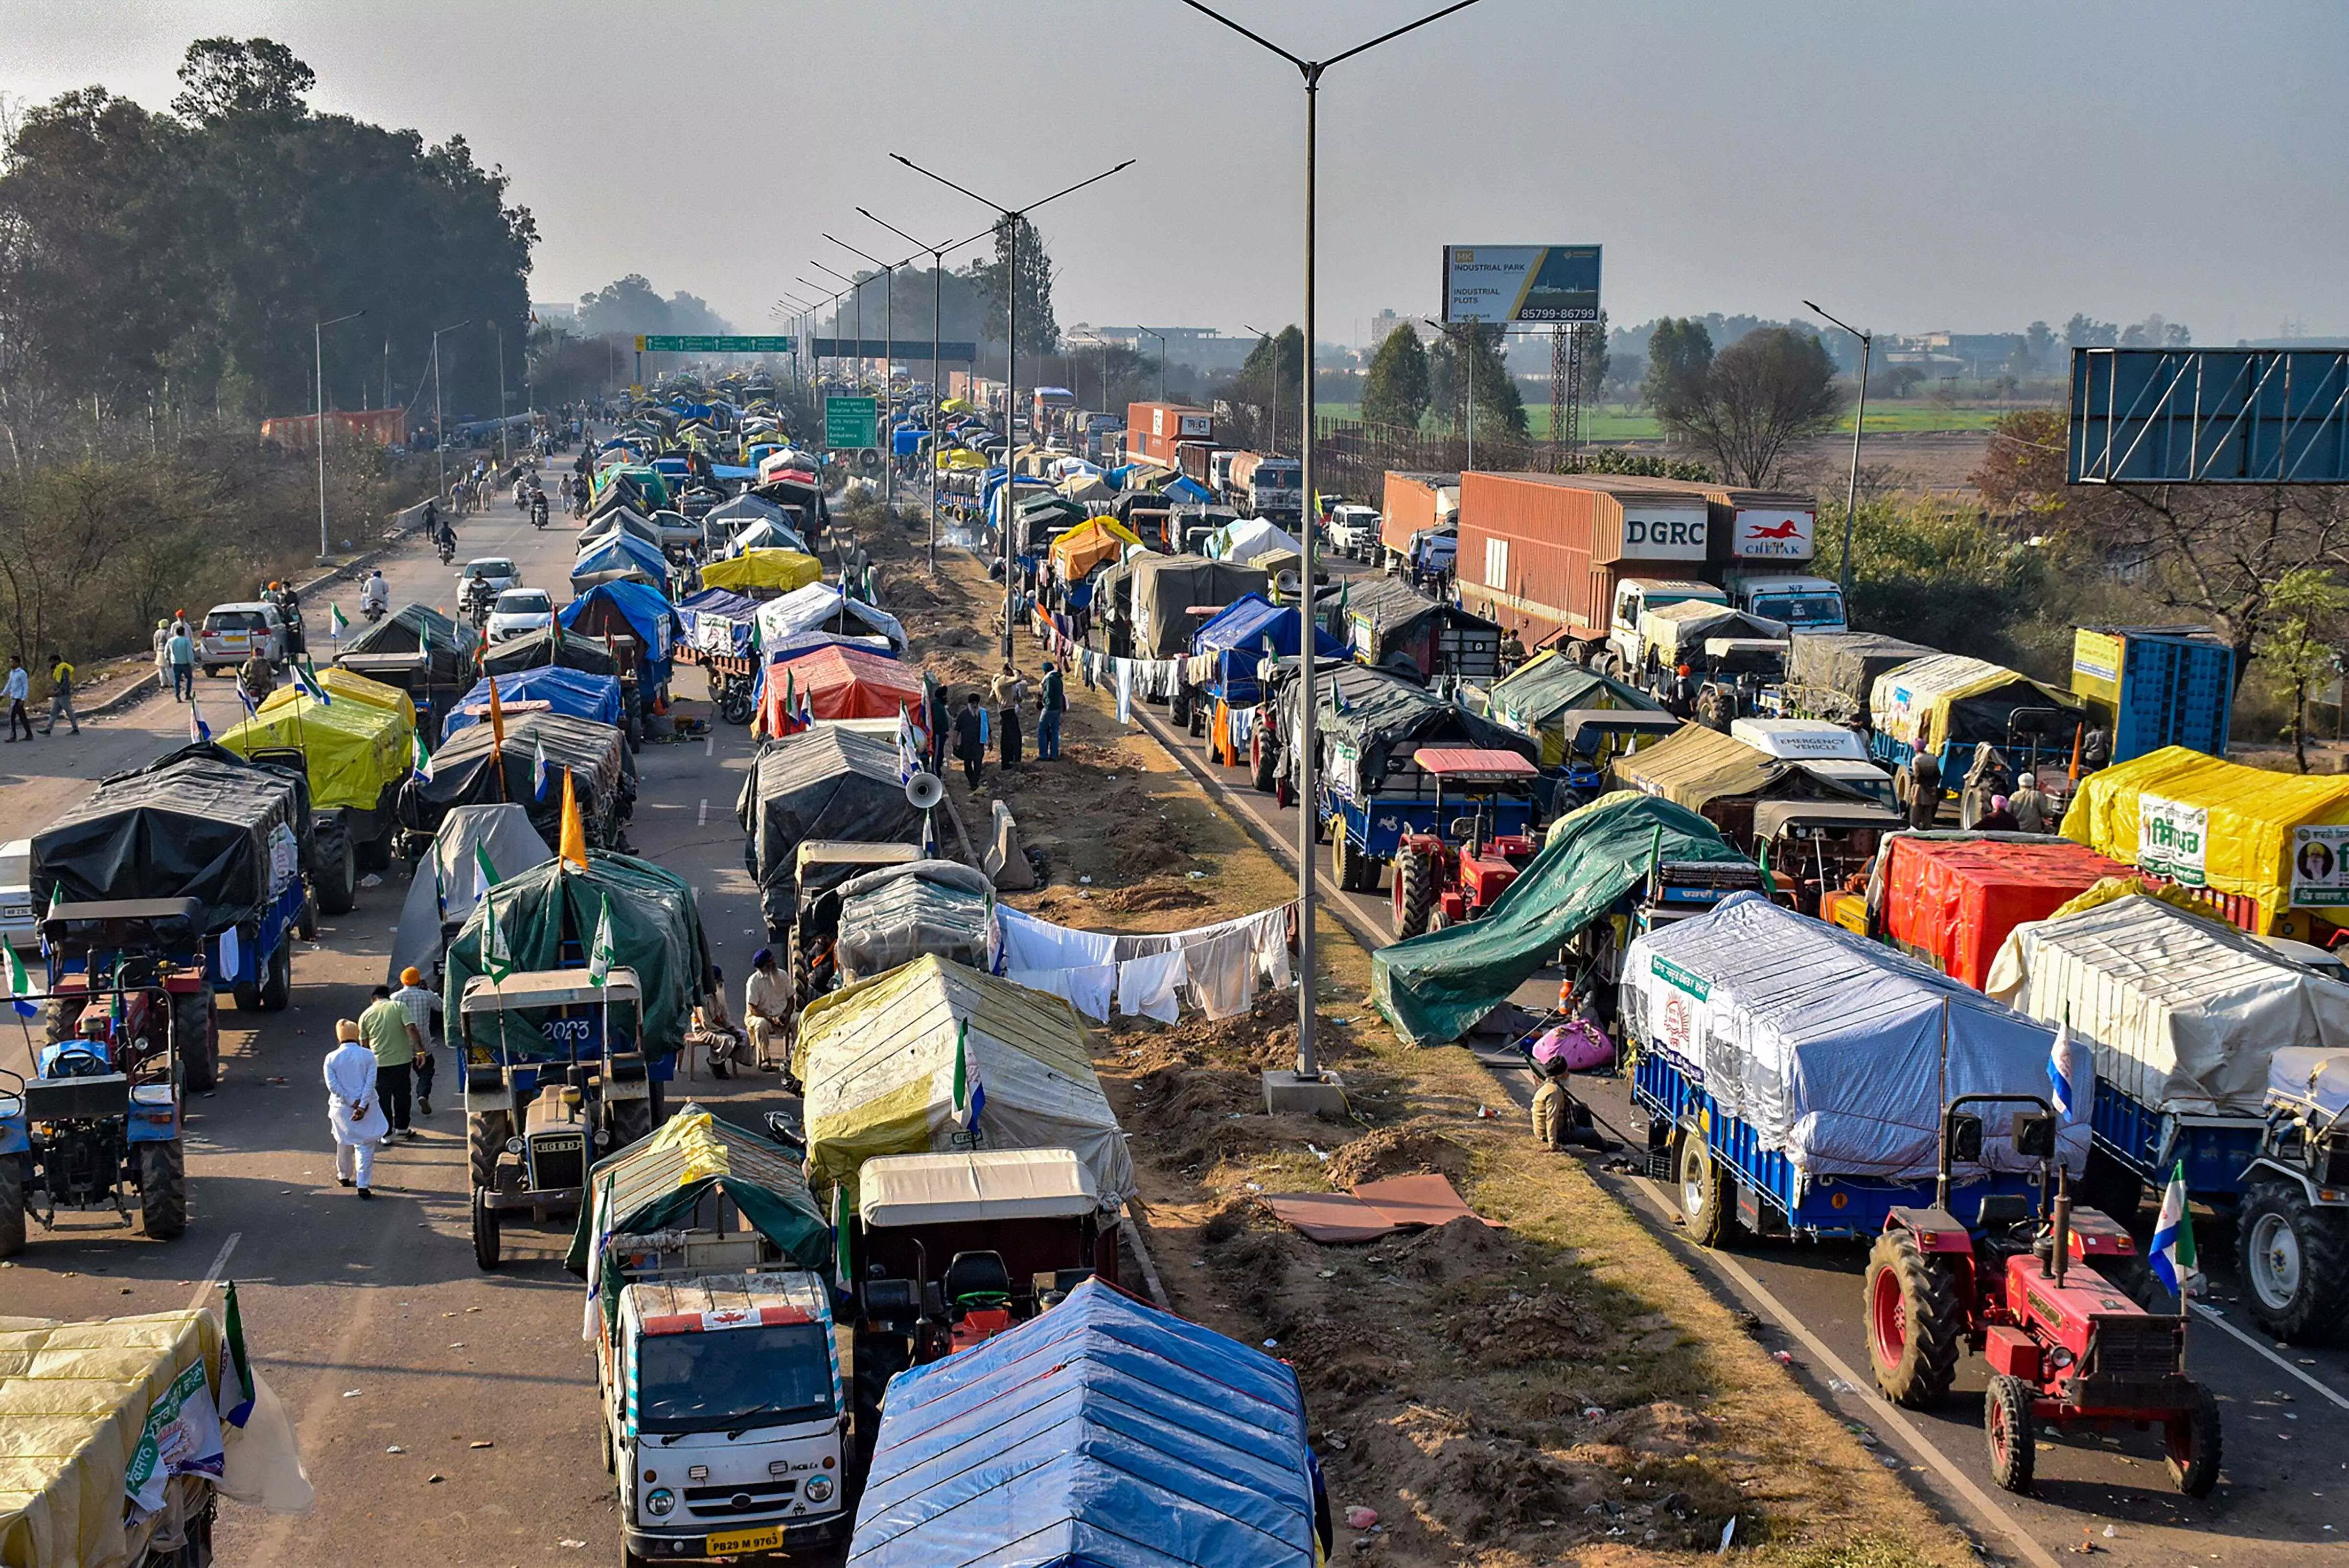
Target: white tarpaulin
[(822, 606), (2183, 1012), (1837, 1050), (448, 880)]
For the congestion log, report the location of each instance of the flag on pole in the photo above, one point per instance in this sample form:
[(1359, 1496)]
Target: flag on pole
[(57, 897), (790, 701), (485, 875), (601, 952), (236, 1394), (909, 746), (970, 1093), (305, 676), (574, 827), (337, 622), (250, 710), (497, 962), (198, 730), (2062, 1060), (541, 775), (20, 985), (2173, 1256), (497, 719), (419, 765), (439, 884)]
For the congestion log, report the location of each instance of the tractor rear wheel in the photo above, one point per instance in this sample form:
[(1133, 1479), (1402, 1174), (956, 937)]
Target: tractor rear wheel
[(337, 880), (1915, 1322), (1341, 870), (487, 1244), (277, 980), (1259, 762), (2294, 1258), (12, 1204), (2191, 1441), (163, 1190), (63, 1012), (2011, 1432), (1414, 891), (195, 1034), (1708, 1206), (630, 1121), (1178, 711)]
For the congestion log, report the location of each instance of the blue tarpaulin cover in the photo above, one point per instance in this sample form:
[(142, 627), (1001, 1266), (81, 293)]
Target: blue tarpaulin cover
[(719, 620), (619, 553), (1187, 489), (574, 693), (1103, 1434), (1242, 626), (646, 610)]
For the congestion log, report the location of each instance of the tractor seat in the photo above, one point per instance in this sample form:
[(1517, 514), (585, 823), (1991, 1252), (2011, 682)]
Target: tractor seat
[(977, 1280), (2003, 1209)]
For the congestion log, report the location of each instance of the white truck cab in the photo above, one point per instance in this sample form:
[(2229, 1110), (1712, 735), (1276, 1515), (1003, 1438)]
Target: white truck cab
[(724, 1413), (1828, 750), (1803, 603), (1635, 596)]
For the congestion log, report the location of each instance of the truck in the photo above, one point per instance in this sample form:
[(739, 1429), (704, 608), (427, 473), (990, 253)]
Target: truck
[(1153, 430), (724, 1414), (1780, 1113), (1267, 486), (1548, 553), (1412, 505), (353, 739), (2147, 687), (1951, 705)]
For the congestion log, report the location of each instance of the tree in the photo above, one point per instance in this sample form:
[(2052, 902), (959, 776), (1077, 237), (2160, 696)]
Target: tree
[(2038, 345), (2087, 332), (226, 78), (1762, 394), (1039, 333), (1396, 391), (632, 305), (1495, 389), (2153, 332), (1930, 571), (1679, 358), (2310, 607)]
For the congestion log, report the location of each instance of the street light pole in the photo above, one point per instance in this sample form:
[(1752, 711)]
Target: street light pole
[(505, 457), (318, 351), (1009, 220), (888, 366), (938, 368), (440, 435), (1309, 1066), (857, 289), (1858, 424)]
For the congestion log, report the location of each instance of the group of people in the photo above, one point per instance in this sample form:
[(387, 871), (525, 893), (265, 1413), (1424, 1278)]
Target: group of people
[(974, 723), (19, 693), (380, 1076)]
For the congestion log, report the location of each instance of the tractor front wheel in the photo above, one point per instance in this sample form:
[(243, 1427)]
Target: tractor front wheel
[(2191, 1441), (2294, 1256), (1707, 1206), (1414, 891), (2011, 1432), (1915, 1322), (488, 1250)]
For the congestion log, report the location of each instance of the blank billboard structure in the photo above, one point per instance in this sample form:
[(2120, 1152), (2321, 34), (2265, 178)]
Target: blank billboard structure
[(2210, 416)]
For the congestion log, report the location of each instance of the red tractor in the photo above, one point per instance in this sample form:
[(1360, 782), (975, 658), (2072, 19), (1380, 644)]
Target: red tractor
[(2036, 1295), (1439, 883)]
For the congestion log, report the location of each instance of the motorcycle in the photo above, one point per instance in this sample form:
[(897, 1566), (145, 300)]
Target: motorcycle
[(448, 549), (372, 610), (538, 511)]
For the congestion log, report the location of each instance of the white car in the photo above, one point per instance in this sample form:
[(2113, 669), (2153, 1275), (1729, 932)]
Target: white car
[(231, 632), (1353, 530), (18, 926), (485, 579), (517, 611)]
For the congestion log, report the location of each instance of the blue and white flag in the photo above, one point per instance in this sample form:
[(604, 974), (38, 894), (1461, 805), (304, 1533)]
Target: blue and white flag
[(540, 773), (2064, 1079), (251, 710), (305, 676), (2174, 1260), (198, 730)]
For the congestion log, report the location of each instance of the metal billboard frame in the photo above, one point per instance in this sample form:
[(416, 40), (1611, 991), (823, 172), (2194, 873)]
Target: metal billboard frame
[(2209, 416)]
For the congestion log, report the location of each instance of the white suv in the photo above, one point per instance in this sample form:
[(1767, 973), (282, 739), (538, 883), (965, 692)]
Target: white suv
[(230, 633), (1353, 530), (18, 927)]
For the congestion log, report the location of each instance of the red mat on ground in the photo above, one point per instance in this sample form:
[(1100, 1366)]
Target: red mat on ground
[(1373, 1209)]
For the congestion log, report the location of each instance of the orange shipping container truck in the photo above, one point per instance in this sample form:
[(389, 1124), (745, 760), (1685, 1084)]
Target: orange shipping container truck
[(1152, 431), (1415, 503), (1544, 553)]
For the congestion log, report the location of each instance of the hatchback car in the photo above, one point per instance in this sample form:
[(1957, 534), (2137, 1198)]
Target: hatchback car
[(516, 611)]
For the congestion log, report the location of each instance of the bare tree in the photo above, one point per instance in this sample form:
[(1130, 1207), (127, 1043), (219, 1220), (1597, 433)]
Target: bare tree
[(1764, 392)]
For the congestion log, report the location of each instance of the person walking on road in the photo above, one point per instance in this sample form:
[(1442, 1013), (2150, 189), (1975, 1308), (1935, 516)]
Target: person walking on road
[(1010, 691), (420, 1004), (163, 654), (61, 680), (20, 688), (354, 1110), (766, 1005), (385, 1027), (1051, 702), (970, 737), (182, 650)]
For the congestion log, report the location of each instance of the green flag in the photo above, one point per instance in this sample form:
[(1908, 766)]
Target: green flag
[(485, 875), (496, 962), (600, 952), (337, 622)]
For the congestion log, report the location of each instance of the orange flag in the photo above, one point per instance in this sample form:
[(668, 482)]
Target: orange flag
[(574, 829), (497, 719)]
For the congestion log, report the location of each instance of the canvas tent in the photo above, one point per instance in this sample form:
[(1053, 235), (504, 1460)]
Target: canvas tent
[(769, 570), (880, 1062), (839, 683), (1950, 899), (471, 769), (1717, 776), (550, 645), (409, 629), (1169, 591), (619, 558), (824, 782), (718, 621), (897, 913), (356, 750), (445, 888), (549, 688), (1839, 668), (1532, 699), (1949, 698), (823, 606)]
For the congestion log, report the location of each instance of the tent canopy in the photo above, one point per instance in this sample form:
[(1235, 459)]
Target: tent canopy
[(1090, 544), (469, 770), (777, 570), (897, 913), (1168, 589), (571, 691), (823, 606), (622, 558), (824, 782), (407, 630), (619, 520), (719, 620), (1695, 766), (1847, 662), (1952, 901), (879, 1062), (551, 644), (341, 683), (1246, 625), (1435, 987), (841, 683), (1104, 1433), (645, 612), (1245, 540), (765, 534), (447, 888), (1534, 697), (1929, 703)]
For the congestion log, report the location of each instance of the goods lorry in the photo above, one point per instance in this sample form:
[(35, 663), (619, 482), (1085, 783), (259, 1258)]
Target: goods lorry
[(1152, 431), (1266, 486)]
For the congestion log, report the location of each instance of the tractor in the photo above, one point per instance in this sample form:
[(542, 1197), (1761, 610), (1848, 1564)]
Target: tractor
[(2038, 1297), (1439, 883)]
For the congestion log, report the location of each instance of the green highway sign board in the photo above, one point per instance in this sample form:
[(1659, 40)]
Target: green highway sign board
[(849, 421), (674, 345)]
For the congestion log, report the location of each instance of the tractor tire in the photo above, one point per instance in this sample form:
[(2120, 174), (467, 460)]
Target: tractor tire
[(1916, 1324), (163, 1190), (12, 1204), (630, 1121), (2294, 1260), (1341, 870), (611, 1459), (1178, 710), (335, 881), (1708, 1204), (277, 980), (1414, 892), (2011, 1433), (1260, 763), (1284, 793), (485, 1138), (247, 997), (2191, 1443), (375, 854), (306, 924), (60, 1019), (195, 1034), (2111, 1189), (487, 1252)]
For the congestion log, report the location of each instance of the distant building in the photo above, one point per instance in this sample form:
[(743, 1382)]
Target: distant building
[(1203, 347), (556, 313)]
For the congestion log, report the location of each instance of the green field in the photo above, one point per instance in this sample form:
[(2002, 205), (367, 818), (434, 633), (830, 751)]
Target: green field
[(1620, 423)]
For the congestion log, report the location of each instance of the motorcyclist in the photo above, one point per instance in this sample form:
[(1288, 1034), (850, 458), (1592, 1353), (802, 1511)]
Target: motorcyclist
[(538, 509), (375, 596), (257, 676), (522, 492)]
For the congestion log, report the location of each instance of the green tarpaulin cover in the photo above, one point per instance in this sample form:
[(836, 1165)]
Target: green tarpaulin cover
[(1531, 699), (1434, 987), (657, 1182)]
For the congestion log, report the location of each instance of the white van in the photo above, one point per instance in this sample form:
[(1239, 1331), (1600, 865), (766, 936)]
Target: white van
[(1828, 750)]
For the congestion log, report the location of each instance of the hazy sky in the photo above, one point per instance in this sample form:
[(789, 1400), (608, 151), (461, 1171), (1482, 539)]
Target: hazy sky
[(1969, 164)]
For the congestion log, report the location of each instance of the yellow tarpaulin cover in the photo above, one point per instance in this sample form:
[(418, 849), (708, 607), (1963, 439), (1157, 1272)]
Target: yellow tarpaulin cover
[(2221, 825), (956, 406), (354, 747), (962, 457), (781, 570), (341, 683), (879, 1063), (1088, 545), (1911, 703), (74, 1398)]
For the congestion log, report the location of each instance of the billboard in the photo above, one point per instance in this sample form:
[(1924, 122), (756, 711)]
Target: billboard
[(1772, 533), (2210, 416), (1521, 285)]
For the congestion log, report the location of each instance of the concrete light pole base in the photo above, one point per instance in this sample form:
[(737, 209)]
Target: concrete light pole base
[(1288, 1094)]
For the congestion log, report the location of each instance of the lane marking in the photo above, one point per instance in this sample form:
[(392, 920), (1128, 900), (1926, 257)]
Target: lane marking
[(219, 1261), (2212, 1318), (710, 745), (1883, 1409), (703, 820)]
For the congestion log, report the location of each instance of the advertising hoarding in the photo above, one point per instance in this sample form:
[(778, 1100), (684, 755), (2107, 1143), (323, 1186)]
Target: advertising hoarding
[(1530, 286)]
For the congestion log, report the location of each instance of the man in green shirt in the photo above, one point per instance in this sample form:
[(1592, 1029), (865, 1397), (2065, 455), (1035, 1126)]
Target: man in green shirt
[(384, 1027)]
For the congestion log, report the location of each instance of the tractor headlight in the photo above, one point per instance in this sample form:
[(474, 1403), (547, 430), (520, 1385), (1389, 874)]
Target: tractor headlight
[(819, 1488), (660, 1502), (514, 1145)]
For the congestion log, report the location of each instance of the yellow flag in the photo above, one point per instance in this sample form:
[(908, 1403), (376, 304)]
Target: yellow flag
[(574, 829), (497, 719)]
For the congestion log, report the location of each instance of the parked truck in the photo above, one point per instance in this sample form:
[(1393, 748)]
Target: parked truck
[(1266, 486), (1412, 506), (1152, 431), (2148, 687)]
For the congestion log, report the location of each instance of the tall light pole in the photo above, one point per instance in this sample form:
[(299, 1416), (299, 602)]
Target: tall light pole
[(1161, 358), (1308, 1065), (1858, 424), (798, 319), (505, 456), (937, 370), (1009, 221), (815, 291), (319, 352), (857, 289), (888, 366), (439, 436), (1269, 338)]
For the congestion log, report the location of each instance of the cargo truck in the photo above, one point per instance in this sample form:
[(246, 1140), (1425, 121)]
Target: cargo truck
[(2147, 687), (1152, 431), (1269, 487), (1414, 506)]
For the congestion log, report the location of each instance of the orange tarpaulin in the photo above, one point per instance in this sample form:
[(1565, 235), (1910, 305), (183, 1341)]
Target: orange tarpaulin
[(1952, 902), (841, 683)]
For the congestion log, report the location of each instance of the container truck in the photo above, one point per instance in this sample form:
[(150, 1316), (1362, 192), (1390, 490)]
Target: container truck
[(1414, 506), (1266, 486), (1949, 899), (2147, 687), (1152, 431)]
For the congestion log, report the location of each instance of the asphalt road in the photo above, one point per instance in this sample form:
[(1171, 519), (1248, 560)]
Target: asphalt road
[(2285, 1410), (446, 1410)]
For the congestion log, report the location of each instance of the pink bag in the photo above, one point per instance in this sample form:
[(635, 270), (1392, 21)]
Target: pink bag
[(1577, 1046)]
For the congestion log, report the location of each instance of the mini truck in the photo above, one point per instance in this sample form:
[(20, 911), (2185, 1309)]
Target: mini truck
[(1442, 881)]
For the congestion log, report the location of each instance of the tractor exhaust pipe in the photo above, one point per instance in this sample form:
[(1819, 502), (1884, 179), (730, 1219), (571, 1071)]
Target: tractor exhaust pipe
[(2060, 1217)]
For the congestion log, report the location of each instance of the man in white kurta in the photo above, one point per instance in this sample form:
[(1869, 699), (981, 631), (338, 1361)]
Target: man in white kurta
[(353, 1108)]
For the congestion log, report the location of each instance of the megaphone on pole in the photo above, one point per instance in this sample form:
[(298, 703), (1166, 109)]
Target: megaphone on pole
[(923, 791)]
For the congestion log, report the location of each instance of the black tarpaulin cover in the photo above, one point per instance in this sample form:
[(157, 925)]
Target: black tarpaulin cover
[(465, 771), (824, 782)]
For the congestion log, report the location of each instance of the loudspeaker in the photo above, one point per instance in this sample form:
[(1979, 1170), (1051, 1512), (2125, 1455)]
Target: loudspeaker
[(925, 791)]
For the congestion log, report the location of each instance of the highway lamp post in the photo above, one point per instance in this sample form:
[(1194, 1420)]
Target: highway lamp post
[(1859, 424), (816, 291), (1009, 220), (937, 369), (856, 289), (1161, 358), (1269, 338), (318, 354), (802, 320), (439, 436), (885, 433), (505, 456), (1309, 1066)]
